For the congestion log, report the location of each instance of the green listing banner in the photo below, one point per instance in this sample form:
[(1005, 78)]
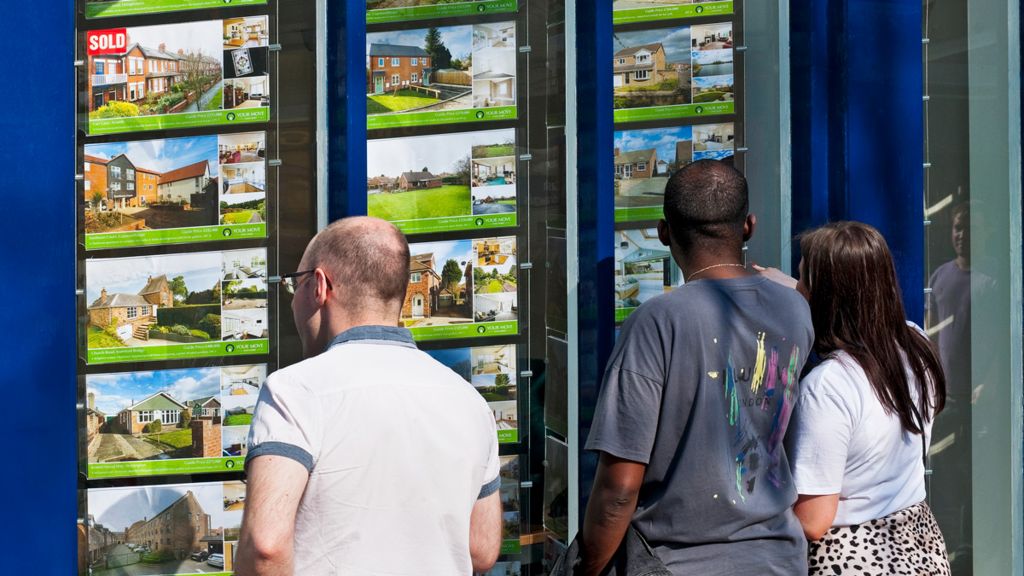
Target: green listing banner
[(178, 351), (677, 111), (469, 330), (110, 9), (633, 15), (441, 11), (165, 467), (406, 119), (622, 313), (511, 547), (641, 214), (175, 236), (508, 436), (100, 126), (453, 223)]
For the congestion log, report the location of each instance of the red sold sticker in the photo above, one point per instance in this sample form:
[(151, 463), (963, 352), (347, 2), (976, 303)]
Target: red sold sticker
[(114, 41)]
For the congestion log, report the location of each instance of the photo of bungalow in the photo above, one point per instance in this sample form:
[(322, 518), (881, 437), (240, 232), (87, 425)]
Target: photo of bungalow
[(494, 64), (153, 300), (423, 70), (440, 284), (243, 264), (166, 69), (243, 178), (242, 148), (643, 267), (711, 36), (494, 177), (235, 440), (245, 324), (242, 380), (495, 283), (714, 141), (420, 177), (165, 528), (147, 185), (248, 92), (645, 160), (651, 68), (150, 414)]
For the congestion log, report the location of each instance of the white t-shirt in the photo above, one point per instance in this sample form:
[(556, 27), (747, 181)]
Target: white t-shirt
[(842, 441), (399, 449)]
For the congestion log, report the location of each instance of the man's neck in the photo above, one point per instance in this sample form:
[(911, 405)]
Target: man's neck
[(344, 323), (706, 265)]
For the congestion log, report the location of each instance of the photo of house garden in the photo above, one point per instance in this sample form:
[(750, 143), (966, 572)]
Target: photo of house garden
[(651, 68), (238, 409), (440, 288), (631, 4), (165, 69), (714, 142), (643, 269), (424, 70), (155, 530), (645, 160), (495, 281), (442, 176)]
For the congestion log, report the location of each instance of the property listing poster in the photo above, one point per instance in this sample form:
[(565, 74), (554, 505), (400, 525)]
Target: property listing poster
[(511, 521), (462, 289), (175, 191), (677, 72), (186, 421), (632, 11), (168, 529), (186, 75), (643, 269), (492, 371), (381, 11), (445, 182), (177, 306), (445, 75), (113, 8), (646, 159)]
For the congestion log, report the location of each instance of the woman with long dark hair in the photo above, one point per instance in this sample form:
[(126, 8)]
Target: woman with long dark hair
[(859, 438)]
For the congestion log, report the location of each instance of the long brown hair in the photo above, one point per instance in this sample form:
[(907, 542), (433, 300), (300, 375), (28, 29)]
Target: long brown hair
[(856, 307)]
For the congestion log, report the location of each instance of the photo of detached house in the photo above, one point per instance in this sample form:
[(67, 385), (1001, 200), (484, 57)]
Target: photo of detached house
[(169, 529), (150, 415), (643, 267), (150, 185), (651, 68), (153, 300), (420, 177), (494, 176), (714, 141), (242, 380), (242, 148), (645, 160), (440, 284), (494, 64), (419, 70), (495, 283), (166, 69)]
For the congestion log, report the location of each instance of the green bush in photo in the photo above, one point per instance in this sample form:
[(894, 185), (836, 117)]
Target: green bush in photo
[(153, 427), (199, 334), (115, 109), (179, 330), (186, 418), (210, 324)]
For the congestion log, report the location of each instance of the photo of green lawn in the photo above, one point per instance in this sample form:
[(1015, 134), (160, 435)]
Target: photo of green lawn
[(398, 101), (447, 200)]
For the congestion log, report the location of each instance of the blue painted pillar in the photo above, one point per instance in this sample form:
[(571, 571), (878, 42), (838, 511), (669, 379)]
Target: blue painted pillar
[(857, 124)]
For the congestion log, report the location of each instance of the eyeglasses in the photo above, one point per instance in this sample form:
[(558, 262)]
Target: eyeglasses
[(290, 282)]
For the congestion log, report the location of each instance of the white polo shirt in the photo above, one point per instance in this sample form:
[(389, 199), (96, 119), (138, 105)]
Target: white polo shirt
[(398, 447)]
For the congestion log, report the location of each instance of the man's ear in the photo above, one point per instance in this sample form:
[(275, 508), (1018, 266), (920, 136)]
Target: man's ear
[(664, 234), (748, 227), (322, 291)]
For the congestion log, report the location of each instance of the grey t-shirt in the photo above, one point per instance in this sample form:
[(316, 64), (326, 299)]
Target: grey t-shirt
[(700, 387)]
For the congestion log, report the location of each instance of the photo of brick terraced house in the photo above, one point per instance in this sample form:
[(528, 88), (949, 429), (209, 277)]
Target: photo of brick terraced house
[(143, 71), (179, 528)]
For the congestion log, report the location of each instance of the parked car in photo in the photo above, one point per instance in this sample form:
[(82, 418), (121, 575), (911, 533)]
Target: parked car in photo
[(200, 555), (216, 560)]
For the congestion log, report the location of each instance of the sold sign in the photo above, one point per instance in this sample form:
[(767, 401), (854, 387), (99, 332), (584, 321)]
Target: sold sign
[(113, 41)]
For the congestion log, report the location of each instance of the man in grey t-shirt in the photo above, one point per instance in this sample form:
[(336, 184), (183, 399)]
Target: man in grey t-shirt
[(696, 400)]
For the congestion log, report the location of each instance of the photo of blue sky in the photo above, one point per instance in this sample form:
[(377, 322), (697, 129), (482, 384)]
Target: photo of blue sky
[(662, 139), (455, 358), (712, 81), (191, 37), (458, 40), (201, 271), (459, 250), (119, 508), (160, 155), (115, 392), (712, 155), (711, 56), (675, 40)]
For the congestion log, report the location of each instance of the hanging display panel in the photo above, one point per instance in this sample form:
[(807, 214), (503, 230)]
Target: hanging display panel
[(184, 421), (445, 75), (113, 8), (175, 191), (444, 182), (381, 11), (511, 517), (631, 11), (643, 269), (676, 72), (492, 372), (462, 289), (185, 75), (646, 159), (166, 530), (177, 306)]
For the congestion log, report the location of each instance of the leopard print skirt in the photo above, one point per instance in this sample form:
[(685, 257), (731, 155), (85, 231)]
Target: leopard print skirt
[(906, 542)]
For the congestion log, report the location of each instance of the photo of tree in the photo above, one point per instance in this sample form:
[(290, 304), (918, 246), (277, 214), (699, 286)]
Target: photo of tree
[(651, 68), (440, 288), (419, 70)]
